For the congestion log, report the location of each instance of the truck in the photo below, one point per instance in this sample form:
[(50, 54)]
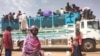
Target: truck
[(56, 31)]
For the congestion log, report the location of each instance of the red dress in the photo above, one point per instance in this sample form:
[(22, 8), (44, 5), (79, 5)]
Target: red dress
[(79, 38)]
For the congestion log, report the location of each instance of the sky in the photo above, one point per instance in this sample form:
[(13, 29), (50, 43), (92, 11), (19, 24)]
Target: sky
[(30, 7)]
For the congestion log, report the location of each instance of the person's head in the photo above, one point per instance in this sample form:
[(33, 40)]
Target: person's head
[(91, 12), (8, 28), (68, 3), (39, 10), (73, 5), (30, 17), (19, 11), (71, 38), (34, 30), (13, 13)]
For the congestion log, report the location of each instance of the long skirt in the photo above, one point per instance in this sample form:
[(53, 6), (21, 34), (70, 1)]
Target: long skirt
[(77, 51)]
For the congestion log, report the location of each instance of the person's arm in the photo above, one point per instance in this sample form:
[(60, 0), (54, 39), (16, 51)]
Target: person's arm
[(80, 39), (72, 49)]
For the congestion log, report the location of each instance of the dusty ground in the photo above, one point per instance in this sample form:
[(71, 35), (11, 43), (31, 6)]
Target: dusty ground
[(61, 53)]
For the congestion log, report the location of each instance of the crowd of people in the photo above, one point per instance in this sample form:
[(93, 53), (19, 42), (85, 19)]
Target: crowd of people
[(68, 9), (17, 18), (11, 16), (86, 12)]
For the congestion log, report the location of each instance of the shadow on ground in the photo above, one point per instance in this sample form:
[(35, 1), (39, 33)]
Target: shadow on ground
[(62, 49), (98, 49), (49, 49), (16, 49)]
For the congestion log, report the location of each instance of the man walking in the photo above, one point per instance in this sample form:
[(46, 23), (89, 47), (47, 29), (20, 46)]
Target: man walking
[(8, 41)]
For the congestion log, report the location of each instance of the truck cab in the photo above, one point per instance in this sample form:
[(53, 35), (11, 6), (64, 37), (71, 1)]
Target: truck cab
[(90, 34)]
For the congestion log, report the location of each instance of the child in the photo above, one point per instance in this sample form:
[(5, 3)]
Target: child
[(76, 49)]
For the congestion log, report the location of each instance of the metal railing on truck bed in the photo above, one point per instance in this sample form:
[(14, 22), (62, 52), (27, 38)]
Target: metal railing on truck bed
[(54, 20)]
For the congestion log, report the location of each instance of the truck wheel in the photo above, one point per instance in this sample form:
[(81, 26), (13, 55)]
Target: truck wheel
[(88, 45)]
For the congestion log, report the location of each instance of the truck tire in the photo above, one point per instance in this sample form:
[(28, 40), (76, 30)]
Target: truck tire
[(89, 45)]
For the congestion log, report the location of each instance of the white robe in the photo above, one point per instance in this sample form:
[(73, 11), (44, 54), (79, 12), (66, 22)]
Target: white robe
[(23, 20)]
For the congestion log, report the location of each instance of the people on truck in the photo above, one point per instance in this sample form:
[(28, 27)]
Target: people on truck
[(24, 24), (68, 8), (40, 12)]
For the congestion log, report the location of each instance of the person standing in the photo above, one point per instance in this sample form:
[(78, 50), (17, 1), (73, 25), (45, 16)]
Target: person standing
[(18, 16), (40, 12), (8, 41), (31, 45), (79, 38), (76, 48), (68, 8), (23, 25)]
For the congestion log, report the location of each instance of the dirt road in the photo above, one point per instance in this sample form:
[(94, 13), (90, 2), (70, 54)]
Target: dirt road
[(61, 53)]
